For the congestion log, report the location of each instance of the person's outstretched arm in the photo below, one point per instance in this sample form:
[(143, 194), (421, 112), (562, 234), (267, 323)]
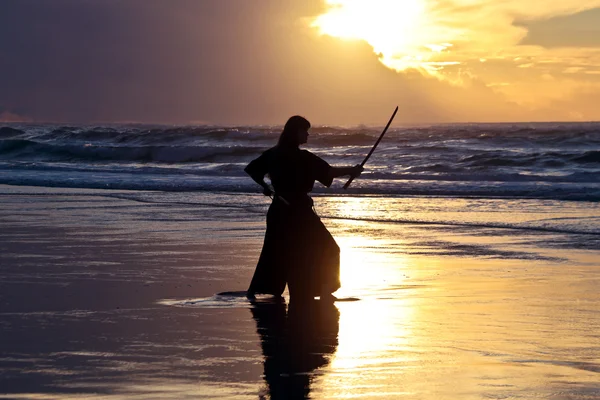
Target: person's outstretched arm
[(336, 172)]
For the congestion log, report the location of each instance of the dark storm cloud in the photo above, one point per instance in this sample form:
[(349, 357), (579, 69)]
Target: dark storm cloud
[(125, 60), (219, 61), (577, 30), (78, 59)]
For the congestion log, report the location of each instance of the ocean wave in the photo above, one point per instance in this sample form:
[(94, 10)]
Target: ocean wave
[(471, 176), (547, 160), (207, 182), (523, 159), (107, 135), (155, 136), (12, 145), (517, 135), (346, 139), (438, 168), (432, 173), (140, 169), (588, 157), (16, 149), (7, 132)]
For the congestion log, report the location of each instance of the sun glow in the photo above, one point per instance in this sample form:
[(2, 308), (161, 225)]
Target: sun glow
[(505, 48), (401, 32)]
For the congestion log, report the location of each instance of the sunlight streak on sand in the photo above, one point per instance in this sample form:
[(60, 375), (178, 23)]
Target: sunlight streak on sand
[(364, 271), (371, 334)]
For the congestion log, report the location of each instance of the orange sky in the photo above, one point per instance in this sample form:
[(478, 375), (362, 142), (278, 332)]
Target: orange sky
[(539, 55), (339, 62)]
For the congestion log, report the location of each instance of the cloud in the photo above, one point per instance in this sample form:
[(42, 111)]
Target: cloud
[(449, 30), (511, 46), (574, 30), (239, 62)]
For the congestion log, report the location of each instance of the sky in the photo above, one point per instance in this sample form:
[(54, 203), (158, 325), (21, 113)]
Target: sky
[(337, 62)]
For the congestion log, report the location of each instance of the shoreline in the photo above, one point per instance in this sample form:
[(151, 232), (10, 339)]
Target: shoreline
[(446, 312)]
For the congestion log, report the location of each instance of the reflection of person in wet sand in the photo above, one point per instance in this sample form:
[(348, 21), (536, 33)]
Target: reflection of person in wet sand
[(295, 344), (298, 249)]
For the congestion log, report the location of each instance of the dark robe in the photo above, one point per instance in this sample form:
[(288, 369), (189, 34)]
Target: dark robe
[(298, 249)]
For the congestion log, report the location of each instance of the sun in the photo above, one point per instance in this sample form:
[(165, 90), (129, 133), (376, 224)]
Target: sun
[(402, 33)]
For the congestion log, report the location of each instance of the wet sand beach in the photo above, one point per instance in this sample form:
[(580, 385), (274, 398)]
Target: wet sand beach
[(111, 295)]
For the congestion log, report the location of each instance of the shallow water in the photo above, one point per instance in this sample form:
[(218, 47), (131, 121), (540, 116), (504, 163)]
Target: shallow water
[(459, 298)]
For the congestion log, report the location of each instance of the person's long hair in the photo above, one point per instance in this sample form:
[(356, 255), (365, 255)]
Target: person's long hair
[(289, 136)]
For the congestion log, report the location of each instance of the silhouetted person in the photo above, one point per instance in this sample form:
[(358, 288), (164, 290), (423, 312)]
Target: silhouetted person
[(298, 249), (296, 344)]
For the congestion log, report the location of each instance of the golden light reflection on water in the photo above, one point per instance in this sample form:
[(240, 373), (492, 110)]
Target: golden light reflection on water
[(361, 207), (368, 331), (376, 331), (369, 261), (366, 266), (449, 327)]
